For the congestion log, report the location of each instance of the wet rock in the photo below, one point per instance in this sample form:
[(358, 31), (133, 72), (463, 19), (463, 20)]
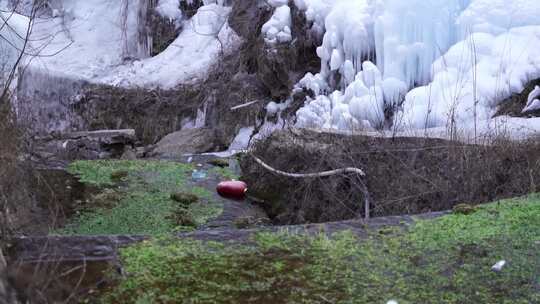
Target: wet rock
[(219, 162), (129, 154), (187, 141)]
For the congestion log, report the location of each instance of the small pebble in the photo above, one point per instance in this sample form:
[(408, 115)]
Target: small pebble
[(499, 266)]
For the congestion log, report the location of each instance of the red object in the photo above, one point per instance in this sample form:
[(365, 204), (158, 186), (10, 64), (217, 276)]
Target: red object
[(232, 189)]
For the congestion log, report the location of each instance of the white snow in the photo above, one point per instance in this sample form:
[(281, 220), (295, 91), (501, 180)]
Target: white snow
[(99, 41), (88, 39), (241, 141), (13, 28), (498, 266), (277, 3), (441, 61), (187, 59), (278, 28), (169, 9), (533, 103)]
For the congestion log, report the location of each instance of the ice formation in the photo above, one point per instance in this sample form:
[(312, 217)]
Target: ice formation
[(278, 28), (169, 9), (533, 103), (429, 61), (13, 28)]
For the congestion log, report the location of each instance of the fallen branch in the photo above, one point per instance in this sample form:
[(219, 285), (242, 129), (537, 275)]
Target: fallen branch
[(308, 175), (247, 104), (360, 172)]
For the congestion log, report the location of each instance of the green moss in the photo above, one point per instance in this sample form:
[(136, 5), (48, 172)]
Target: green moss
[(225, 173), (446, 260), (142, 202), (106, 172)]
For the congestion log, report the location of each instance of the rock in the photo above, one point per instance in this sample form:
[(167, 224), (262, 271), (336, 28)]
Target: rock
[(244, 222), (187, 141), (101, 144), (183, 218), (129, 154), (123, 136), (119, 174), (219, 162), (464, 209), (185, 199)]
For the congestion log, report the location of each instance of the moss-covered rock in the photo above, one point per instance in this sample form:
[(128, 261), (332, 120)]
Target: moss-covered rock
[(464, 209), (119, 175), (184, 198)]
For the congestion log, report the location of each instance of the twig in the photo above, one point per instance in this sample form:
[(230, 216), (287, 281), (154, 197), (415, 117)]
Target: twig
[(247, 104), (367, 197)]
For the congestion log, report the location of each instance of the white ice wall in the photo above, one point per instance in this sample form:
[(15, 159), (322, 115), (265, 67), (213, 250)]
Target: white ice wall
[(416, 43)]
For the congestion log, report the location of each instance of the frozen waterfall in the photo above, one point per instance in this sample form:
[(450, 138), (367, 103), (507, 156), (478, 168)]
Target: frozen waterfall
[(374, 52)]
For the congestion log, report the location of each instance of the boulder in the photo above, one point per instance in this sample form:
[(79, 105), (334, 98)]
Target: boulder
[(187, 141)]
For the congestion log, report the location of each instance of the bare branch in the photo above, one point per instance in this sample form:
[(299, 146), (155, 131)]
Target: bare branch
[(308, 175)]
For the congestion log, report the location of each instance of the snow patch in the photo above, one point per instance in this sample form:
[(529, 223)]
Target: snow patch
[(278, 28), (533, 103), (187, 59), (13, 28), (99, 41), (169, 9)]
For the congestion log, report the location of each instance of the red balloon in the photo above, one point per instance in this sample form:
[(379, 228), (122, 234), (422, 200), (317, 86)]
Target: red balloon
[(232, 189)]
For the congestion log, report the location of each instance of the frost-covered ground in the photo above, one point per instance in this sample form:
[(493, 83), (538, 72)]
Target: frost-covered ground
[(437, 61)]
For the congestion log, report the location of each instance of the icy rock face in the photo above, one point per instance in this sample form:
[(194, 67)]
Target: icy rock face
[(469, 54), (45, 102)]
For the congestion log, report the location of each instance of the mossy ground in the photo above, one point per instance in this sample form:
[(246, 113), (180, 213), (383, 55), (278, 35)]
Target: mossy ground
[(447, 260), (139, 194)]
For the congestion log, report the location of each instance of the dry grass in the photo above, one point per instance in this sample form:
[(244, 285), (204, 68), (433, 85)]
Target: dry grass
[(403, 175)]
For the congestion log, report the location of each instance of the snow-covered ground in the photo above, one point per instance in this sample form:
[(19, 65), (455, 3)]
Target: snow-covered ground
[(100, 41), (439, 60), (187, 59)]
